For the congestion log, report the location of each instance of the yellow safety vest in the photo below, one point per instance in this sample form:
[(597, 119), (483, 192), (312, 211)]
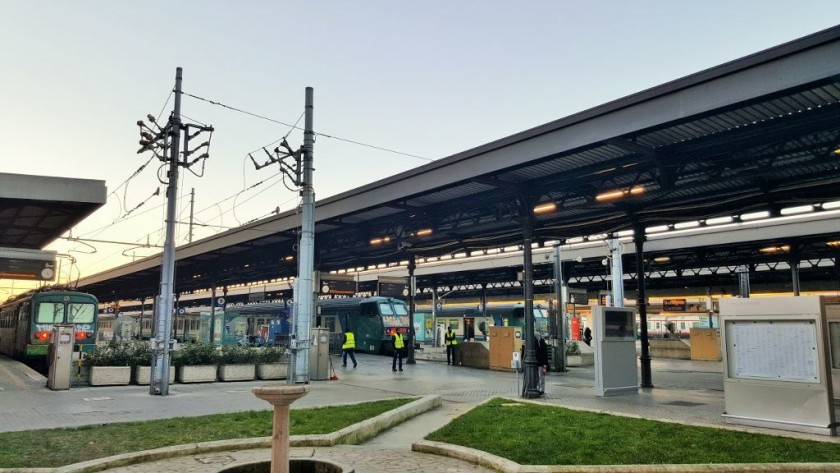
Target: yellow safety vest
[(351, 341), (398, 341), (450, 338)]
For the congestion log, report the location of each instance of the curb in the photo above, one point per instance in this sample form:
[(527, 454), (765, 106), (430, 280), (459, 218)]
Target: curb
[(351, 435), (488, 460), (481, 458)]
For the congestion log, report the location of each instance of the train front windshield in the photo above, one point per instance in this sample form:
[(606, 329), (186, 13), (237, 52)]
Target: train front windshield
[(394, 316), (54, 313), (540, 321)]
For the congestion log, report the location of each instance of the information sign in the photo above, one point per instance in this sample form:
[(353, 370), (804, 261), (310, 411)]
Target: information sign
[(33, 269), (341, 287), (389, 289), (674, 305)]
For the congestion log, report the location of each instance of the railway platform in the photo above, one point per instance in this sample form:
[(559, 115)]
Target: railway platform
[(685, 391)]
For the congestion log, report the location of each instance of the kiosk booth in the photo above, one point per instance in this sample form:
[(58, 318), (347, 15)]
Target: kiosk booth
[(614, 343)]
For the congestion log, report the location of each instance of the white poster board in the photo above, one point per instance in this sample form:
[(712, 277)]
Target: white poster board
[(776, 363), (784, 350)]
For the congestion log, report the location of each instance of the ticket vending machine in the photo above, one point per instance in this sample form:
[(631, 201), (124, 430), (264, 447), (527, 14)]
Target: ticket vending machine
[(319, 354), (61, 357), (614, 343)]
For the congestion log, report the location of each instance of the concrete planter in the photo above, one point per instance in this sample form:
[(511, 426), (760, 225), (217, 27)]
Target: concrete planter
[(584, 359), (143, 375), (272, 370), (109, 375), (237, 372), (197, 374)]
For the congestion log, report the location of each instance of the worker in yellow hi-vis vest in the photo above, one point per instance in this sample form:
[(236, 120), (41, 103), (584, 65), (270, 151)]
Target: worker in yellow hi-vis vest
[(398, 341), (451, 347), (348, 347)]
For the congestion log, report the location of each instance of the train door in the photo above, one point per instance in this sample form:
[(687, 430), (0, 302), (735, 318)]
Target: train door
[(329, 322), (23, 323), (469, 328)]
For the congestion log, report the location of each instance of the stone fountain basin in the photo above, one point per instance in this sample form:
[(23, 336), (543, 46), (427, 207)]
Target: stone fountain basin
[(296, 465)]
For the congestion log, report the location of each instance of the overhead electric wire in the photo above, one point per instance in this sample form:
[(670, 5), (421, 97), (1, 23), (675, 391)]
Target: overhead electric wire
[(325, 135)]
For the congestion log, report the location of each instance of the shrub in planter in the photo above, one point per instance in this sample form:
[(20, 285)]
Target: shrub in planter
[(272, 362), (237, 355), (196, 362), (142, 355), (572, 348), (195, 354), (112, 354), (109, 365), (237, 363), (275, 354)]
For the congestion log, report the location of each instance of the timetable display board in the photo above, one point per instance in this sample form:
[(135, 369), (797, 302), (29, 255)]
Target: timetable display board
[(776, 363), (784, 350)]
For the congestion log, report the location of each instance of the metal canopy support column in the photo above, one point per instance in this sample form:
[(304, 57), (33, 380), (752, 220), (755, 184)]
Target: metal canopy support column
[(743, 273), (617, 272), (641, 305), (561, 289), (530, 386), (412, 265), (212, 312), (794, 268)]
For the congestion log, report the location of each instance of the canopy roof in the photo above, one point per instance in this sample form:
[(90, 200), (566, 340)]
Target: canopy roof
[(755, 134)]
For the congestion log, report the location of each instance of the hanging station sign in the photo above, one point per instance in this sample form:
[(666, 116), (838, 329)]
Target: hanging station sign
[(674, 305), (337, 284), (393, 287), (33, 265)]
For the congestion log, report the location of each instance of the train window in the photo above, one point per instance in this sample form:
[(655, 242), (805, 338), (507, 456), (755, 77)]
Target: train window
[(82, 313), (50, 313), (386, 309), (367, 309), (400, 309), (682, 325)]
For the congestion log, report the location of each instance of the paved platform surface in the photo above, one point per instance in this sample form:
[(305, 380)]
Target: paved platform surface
[(685, 391)]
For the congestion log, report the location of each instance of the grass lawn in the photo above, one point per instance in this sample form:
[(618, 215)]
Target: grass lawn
[(57, 447), (531, 434)]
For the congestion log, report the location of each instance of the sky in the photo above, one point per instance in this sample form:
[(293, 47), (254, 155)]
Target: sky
[(424, 80)]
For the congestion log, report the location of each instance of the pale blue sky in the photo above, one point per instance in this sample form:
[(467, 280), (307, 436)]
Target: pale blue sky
[(428, 78)]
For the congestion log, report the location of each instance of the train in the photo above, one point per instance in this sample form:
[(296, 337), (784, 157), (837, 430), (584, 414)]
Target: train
[(27, 320), (372, 320)]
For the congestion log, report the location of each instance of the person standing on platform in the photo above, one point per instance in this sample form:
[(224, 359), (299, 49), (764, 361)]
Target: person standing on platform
[(399, 348), (348, 347), (587, 336), (451, 346), (542, 361)]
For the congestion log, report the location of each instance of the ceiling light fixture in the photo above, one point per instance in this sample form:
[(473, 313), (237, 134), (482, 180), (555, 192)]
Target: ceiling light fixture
[(775, 249), (545, 208), (619, 193)]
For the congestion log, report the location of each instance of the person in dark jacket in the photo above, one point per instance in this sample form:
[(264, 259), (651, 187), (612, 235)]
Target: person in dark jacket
[(542, 361), (587, 336)]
